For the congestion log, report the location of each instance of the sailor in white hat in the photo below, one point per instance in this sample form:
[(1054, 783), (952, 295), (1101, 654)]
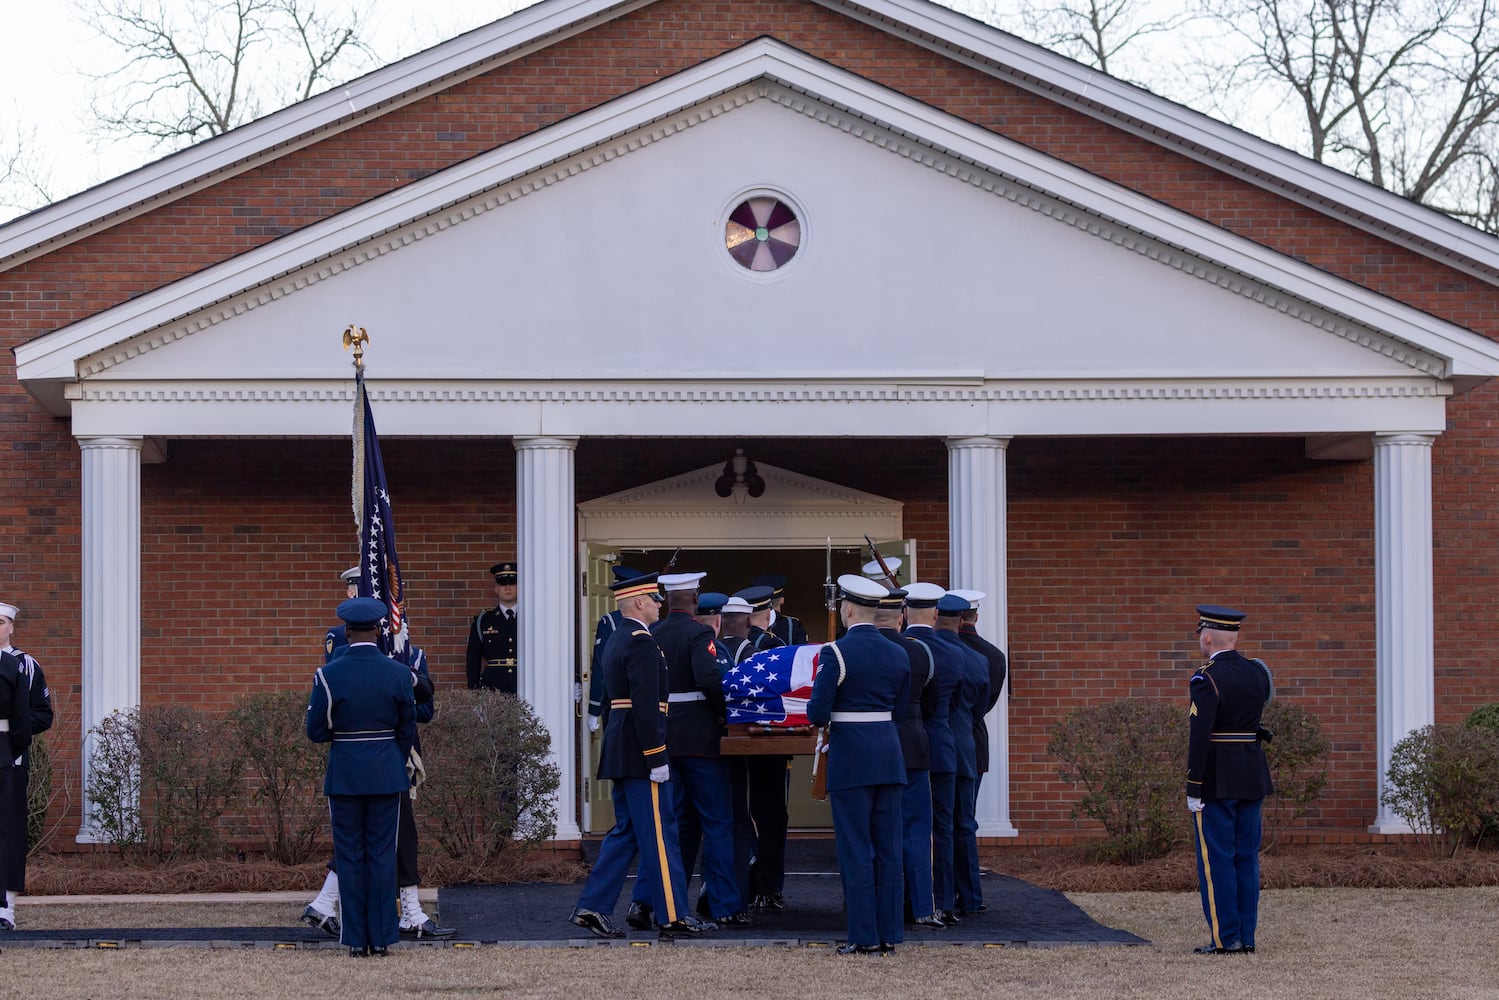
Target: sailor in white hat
[(39, 709)]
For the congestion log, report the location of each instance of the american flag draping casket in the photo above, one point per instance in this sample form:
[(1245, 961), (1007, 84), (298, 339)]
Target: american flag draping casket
[(771, 687)]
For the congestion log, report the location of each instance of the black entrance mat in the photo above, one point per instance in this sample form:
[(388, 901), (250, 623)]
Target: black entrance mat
[(1019, 914)]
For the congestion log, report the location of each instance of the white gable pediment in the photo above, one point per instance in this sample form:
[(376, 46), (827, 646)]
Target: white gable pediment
[(934, 253)]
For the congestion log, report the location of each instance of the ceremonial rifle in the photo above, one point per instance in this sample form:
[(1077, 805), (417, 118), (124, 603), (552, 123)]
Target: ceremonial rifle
[(820, 750), (880, 561)]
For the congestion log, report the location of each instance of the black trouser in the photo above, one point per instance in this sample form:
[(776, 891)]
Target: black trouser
[(17, 830), (406, 873), (767, 806)]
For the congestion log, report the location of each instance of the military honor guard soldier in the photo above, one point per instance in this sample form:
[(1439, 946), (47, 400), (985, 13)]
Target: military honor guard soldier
[(700, 784), (362, 704), (607, 625), (40, 702), (998, 670), (634, 758), (970, 696), (1227, 780), (490, 659), (15, 739), (915, 748), (861, 691), (766, 775)]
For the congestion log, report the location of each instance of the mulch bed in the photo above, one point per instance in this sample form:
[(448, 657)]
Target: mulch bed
[(1385, 865)]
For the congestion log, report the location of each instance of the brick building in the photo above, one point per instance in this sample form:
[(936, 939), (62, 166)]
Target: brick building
[(1058, 339)]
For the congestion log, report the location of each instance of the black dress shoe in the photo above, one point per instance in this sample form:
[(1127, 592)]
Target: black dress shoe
[(427, 929), (740, 919), (327, 924), (949, 917), (886, 948), (359, 952), (597, 923), (930, 920), (640, 917), (859, 949), (380, 952), (686, 925), (1209, 949)]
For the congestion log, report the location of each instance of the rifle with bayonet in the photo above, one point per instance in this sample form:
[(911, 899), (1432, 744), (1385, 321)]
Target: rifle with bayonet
[(820, 749), (879, 560)]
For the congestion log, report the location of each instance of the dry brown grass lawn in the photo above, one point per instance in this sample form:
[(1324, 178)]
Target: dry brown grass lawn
[(1314, 943)]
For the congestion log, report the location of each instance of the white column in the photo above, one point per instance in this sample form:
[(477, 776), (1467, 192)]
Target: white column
[(111, 643), (1403, 605), (976, 526), (545, 517)]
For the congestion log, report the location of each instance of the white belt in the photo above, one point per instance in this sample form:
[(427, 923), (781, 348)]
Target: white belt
[(4, 725), (860, 717), (686, 696)]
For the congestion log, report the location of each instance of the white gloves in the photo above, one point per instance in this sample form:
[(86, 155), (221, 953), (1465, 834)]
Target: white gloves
[(593, 723), (577, 693), (1195, 805), (661, 774)]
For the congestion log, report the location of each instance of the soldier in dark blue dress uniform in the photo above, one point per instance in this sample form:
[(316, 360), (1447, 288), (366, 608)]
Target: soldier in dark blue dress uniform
[(41, 721), (785, 628), (699, 776), (915, 748), (607, 625), (1227, 780), (921, 615), (734, 646), (634, 758), (767, 775), (998, 670), (362, 704), (861, 691), (491, 658), (971, 696), (336, 638), (15, 739)]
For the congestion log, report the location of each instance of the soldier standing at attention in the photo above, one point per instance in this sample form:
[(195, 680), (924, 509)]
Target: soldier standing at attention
[(362, 704), (492, 645), (40, 701), (1227, 780), (607, 625), (861, 690), (15, 738), (634, 759), (968, 631), (766, 775)]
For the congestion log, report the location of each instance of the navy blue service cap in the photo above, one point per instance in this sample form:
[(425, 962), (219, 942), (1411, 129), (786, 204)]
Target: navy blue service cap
[(893, 600), (1216, 616), (645, 583), (711, 602), (775, 581), (861, 591), (952, 604), (758, 598), (362, 612), (625, 572), (504, 572)]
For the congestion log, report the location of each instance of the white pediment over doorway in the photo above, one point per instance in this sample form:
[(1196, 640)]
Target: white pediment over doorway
[(795, 511)]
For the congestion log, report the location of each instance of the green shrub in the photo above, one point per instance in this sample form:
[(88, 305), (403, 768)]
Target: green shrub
[(38, 793), (491, 780), (189, 776), (1444, 781), (1298, 766), (1485, 717), (284, 772), (1129, 757), (114, 784)]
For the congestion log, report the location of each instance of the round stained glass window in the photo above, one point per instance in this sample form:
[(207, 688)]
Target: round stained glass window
[(762, 233)]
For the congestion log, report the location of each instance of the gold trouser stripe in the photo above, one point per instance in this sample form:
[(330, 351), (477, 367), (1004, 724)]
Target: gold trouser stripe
[(1207, 881), (671, 902)]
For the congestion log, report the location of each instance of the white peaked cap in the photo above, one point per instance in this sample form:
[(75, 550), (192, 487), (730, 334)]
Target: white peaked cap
[(680, 581)]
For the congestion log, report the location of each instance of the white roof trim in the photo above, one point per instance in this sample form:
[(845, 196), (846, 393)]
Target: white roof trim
[(55, 357), (1305, 181)]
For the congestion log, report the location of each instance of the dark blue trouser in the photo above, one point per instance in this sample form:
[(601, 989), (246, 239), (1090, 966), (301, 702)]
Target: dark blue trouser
[(967, 893), (867, 828), (916, 841), (364, 856), (645, 823), (1227, 835), (768, 778), (701, 786), (944, 788)]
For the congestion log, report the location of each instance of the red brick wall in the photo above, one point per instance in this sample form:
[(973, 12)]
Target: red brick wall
[(1112, 542)]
